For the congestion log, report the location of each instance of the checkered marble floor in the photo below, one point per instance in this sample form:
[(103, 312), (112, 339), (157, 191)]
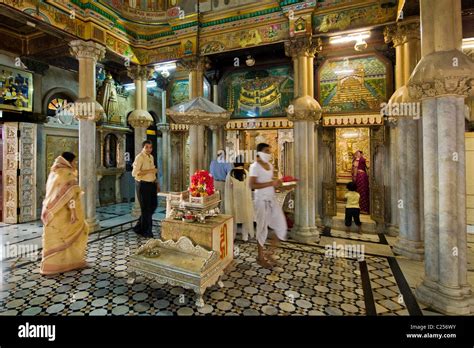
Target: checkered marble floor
[(307, 282)]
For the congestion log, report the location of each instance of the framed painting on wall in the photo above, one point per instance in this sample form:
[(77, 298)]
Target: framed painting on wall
[(354, 84), (258, 92), (16, 89)]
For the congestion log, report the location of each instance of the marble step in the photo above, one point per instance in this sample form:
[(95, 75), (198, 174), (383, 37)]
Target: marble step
[(367, 226)]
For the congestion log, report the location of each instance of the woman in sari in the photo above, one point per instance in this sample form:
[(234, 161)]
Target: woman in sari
[(361, 179), (65, 230), (238, 199)]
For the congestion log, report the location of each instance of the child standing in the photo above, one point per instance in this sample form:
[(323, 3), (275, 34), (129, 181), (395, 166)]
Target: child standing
[(352, 207)]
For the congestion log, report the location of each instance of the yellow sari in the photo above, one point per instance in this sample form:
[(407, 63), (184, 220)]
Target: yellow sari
[(64, 243)]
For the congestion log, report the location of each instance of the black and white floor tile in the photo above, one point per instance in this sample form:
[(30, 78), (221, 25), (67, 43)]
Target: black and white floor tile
[(307, 281)]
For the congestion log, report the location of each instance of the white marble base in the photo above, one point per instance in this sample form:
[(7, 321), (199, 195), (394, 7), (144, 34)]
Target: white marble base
[(305, 234), (93, 225), (450, 301), (392, 230), (413, 250)]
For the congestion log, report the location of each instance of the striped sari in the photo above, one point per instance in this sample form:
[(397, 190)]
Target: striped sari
[(64, 243)]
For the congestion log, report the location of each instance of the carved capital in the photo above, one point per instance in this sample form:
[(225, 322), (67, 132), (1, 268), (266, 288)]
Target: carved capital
[(164, 127), (87, 50), (450, 85), (194, 64), (307, 46), (402, 32), (139, 72), (442, 73)]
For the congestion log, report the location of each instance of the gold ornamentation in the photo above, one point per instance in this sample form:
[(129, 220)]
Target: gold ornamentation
[(27, 178), (10, 182), (194, 63), (402, 32), (139, 72), (259, 123), (348, 141), (303, 46)]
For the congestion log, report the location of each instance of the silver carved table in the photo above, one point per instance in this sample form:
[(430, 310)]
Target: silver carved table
[(179, 264)]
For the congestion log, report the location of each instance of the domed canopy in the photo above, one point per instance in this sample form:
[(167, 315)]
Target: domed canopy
[(198, 111)]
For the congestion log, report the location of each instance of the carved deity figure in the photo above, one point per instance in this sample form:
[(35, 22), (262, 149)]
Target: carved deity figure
[(107, 97)]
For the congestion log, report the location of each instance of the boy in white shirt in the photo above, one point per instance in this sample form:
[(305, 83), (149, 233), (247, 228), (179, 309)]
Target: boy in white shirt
[(268, 212)]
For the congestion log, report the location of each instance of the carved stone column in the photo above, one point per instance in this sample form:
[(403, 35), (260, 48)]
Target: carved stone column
[(442, 80), (406, 203), (305, 112), (166, 155), (140, 119), (196, 67), (88, 111)]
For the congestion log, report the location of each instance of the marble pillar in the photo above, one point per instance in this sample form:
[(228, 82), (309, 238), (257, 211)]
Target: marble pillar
[(88, 111), (166, 155), (196, 67), (442, 80), (406, 197), (305, 112), (140, 119)]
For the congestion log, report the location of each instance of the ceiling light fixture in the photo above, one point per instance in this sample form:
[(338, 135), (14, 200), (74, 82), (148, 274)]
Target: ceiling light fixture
[(131, 86), (468, 43), (350, 38), (165, 66), (250, 61)]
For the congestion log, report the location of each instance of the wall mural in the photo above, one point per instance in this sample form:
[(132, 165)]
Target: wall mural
[(244, 38), (354, 84), (258, 92), (179, 91), (353, 18), (16, 89), (139, 10)]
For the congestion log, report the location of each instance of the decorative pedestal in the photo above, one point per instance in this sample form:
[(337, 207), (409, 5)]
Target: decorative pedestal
[(215, 234), (179, 264)]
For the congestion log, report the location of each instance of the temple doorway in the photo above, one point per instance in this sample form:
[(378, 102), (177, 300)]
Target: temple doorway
[(348, 141), (336, 152)]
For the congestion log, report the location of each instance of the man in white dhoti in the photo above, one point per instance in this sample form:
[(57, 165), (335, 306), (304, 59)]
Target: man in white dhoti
[(268, 212)]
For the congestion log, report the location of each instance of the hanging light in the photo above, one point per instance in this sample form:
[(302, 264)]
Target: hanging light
[(360, 45), (349, 38), (165, 73), (250, 61)]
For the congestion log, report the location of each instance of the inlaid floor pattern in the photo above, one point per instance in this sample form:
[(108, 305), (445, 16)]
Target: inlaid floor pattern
[(306, 283)]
